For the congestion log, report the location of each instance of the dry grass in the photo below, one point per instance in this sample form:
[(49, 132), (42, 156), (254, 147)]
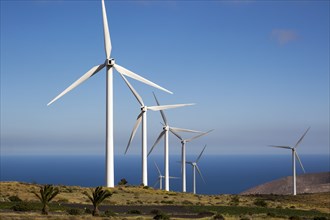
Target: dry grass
[(134, 195)]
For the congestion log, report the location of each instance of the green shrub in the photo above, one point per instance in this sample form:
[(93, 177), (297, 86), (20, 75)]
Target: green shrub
[(122, 182), (134, 211), (260, 203), (146, 187), (88, 211), (14, 199), (319, 218), (161, 216), (74, 211), (22, 207)]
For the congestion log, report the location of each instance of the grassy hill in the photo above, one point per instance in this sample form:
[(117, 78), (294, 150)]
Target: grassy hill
[(132, 202)]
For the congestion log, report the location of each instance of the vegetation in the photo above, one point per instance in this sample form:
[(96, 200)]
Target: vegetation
[(122, 182), (73, 201), (46, 194), (97, 197)]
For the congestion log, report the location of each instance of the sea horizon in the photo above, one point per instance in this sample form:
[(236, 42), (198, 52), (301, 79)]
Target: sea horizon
[(223, 174)]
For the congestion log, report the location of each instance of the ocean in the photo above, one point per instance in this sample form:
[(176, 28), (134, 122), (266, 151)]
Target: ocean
[(223, 174)]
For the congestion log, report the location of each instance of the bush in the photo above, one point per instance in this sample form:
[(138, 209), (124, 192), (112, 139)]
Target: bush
[(14, 199), (88, 211), (161, 216), (294, 218), (260, 203), (22, 207), (74, 211), (134, 211), (122, 182), (319, 218), (218, 216), (146, 187), (109, 213)]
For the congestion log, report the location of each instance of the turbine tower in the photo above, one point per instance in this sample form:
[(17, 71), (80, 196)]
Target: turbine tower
[(166, 129), (183, 155), (161, 177), (109, 64), (142, 117), (294, 156), (195, 167)]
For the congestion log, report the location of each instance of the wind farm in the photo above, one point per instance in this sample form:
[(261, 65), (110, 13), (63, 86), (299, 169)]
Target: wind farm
[(90, 146)]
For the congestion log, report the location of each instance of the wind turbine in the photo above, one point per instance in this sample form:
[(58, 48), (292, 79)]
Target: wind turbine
[(142, 117), (183, 155), (161, 177), (195, 167), (294, 156), (109, 64), (166, 129)]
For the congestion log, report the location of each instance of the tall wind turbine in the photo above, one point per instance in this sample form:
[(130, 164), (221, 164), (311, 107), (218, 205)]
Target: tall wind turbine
[(142, 117), (161, 177), (195, 167), (109, 64), (294, 156), (183, 155), (166, 129)]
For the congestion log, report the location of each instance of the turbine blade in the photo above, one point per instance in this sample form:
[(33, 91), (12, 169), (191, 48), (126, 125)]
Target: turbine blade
[(137, 96), (200, 173), (156, 183), (286, 147), (82, 79), (136, 125), (296, 154), (156, 142), (176, 134), (161, 111), (158, 169), (135, 76), (200, 154), (200, 135), (107, 41), (174, 177), (301, 137), (164, 107), (185, 130)]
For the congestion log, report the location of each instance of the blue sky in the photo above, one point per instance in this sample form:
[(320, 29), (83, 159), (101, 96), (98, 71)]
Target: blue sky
[(258, 71)]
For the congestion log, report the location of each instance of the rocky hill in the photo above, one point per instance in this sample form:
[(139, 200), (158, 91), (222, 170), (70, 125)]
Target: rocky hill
[(306, 183)]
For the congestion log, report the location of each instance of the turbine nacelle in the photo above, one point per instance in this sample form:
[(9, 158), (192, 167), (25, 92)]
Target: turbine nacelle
[(144, 108), (166, 128), (183, 141), (110, 62)]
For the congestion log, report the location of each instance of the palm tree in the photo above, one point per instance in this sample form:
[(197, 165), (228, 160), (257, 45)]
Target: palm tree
[(97, 197), (47, 193)]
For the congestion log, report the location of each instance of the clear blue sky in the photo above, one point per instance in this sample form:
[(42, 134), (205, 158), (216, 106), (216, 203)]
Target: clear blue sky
[(258, 71)]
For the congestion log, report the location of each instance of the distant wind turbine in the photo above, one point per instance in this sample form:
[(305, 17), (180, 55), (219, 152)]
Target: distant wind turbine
[(195, 167), (294, 156), (166, 129), (109, 64), (161, 177), (142, 117), (183, 155)]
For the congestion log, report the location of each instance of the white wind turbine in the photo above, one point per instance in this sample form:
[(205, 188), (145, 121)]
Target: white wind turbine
[(109, 64), (195, 167), (161, 177), (166, 129), (294, 156), (183, 155), (142, 117)]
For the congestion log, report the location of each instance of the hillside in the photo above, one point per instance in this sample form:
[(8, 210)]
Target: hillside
[(306, 183)]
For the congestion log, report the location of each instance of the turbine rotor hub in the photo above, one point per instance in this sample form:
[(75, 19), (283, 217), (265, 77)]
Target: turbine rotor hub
[(144, 108), (166, 128), (110, 62)]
